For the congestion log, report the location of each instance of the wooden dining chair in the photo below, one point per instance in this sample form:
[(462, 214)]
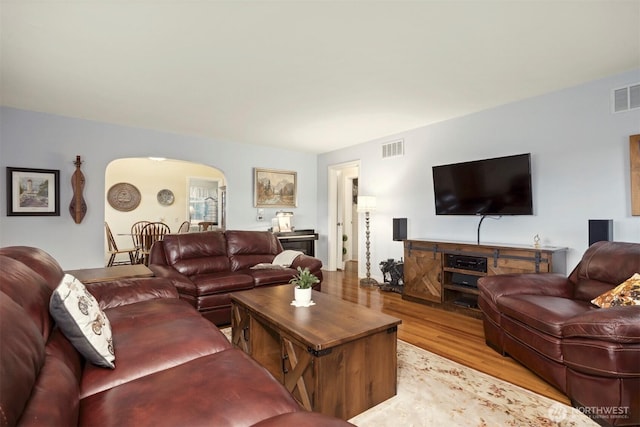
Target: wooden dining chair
[(184, 227), (151, 233), (136, 237), (114, 251)]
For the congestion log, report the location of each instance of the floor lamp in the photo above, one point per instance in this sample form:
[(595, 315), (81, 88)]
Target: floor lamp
[(367, 204)]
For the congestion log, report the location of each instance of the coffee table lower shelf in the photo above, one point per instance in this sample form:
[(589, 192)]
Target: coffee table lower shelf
[(342, 380)]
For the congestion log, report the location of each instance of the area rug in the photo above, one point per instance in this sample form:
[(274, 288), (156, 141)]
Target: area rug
[(435, 391)]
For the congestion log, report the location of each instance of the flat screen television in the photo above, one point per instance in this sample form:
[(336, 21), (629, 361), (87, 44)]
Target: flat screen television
[(497, 186)]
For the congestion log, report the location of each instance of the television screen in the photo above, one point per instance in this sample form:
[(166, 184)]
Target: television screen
[(498, 186)]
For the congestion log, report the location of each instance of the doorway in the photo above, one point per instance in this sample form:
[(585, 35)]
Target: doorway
[(164, 190), (343, 218)]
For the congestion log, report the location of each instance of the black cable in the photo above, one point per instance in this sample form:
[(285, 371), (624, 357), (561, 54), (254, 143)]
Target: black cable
[(479, 224)]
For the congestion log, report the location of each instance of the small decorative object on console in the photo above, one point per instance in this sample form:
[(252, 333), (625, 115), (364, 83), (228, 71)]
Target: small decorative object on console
[(393, 272)]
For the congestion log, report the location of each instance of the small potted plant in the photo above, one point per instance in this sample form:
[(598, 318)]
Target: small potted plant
[(303, 282)]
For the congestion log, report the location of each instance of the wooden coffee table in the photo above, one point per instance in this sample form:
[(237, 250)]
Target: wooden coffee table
[(104, 274), (335, 357)]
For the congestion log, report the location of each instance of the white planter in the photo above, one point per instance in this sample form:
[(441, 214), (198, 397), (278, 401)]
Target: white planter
[(302, 296)]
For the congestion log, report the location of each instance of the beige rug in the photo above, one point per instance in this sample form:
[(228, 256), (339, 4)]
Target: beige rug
[(435, 391)]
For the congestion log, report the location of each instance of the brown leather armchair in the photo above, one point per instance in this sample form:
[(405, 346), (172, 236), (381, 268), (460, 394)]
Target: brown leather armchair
[(548, 323)]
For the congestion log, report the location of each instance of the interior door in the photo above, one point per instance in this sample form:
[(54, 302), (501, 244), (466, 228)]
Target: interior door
[(337, 174)]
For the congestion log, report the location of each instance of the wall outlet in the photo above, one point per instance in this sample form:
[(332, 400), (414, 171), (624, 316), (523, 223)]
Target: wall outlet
[(260, 216)]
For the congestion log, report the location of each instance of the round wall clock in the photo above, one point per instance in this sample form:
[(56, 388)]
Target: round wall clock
[(123, 197), (165, 197)]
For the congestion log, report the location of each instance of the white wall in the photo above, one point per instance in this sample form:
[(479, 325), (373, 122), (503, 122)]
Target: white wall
[(580, 159), (36, 140), (580, 167)]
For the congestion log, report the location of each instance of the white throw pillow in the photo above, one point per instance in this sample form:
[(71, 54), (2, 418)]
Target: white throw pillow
[(286, 257), (81, 320)]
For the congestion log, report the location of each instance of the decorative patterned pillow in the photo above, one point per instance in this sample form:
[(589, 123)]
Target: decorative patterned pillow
[(626, 293), (81, 320)]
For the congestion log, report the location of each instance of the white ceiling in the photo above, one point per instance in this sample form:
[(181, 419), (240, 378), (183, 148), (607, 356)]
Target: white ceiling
[(306, 75)]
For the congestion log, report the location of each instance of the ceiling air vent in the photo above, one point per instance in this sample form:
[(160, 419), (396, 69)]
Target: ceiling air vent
[(626, 98), (393, 149)]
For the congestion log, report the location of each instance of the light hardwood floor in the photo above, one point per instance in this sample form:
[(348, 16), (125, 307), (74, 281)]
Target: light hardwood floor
[(454, 336)]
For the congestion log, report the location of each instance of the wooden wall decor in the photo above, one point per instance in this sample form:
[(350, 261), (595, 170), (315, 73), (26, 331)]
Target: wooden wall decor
[(634, 156), (77, 207)]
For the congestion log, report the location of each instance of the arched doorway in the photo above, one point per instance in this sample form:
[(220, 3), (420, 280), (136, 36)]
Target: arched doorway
[(165, 190)]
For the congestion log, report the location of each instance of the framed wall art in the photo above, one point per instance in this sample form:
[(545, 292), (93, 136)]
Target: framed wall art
[(124, 197), (275, 188), (33, 192)]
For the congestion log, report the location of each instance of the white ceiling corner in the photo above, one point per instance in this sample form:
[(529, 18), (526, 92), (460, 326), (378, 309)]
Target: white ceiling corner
[(307, 75)]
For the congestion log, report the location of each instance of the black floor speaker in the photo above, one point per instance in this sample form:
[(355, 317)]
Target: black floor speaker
[(599, 230), (399, 228)]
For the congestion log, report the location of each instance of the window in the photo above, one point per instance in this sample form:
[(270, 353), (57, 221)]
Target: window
[(203, 200)]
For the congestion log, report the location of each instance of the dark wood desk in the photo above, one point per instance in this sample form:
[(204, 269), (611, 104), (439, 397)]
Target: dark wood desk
[(104, 274), (335, 357)]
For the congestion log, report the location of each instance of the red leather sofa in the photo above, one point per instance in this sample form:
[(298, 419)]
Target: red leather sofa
[(172, 366), (548, 323), (207, 267)]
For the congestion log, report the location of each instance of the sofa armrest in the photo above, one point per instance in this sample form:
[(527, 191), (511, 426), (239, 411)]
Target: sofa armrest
[(615, 324), (181, 282), (550, 284), (313, 263), (128, 291)]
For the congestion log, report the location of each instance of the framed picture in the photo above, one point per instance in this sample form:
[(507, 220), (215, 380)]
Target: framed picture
[(275, 188), (33, 192)]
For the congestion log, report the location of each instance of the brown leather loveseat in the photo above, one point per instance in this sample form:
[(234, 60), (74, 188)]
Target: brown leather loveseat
[(207, 267), (548, 323), (172, 366)]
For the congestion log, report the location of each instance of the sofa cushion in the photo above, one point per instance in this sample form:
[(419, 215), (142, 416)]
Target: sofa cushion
[(196, 253), (248, 248), (80, 318), (224, 281), (271, 277), (226, 388), (129, 291), (544, 313), (620, 324), (22, 354), (626, 293), (152, 336)]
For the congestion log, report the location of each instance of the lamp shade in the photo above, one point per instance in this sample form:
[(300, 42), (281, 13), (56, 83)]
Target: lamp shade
[(366, 203)]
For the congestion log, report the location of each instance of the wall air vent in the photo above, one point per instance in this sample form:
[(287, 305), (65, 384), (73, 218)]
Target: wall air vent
[(393, 149), (626, 98)]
